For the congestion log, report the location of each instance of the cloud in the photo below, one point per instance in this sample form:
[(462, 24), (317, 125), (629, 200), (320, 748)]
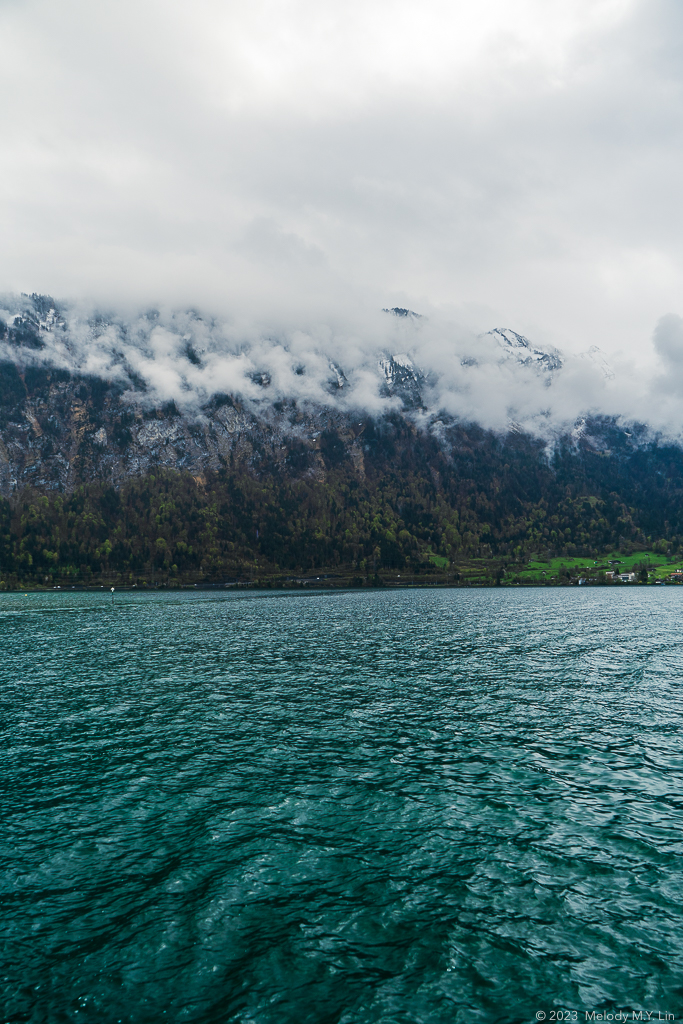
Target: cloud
[(668, 341), (513, 162), (372, 361)]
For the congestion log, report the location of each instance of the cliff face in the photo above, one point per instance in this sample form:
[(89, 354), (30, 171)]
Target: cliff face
[(57, 431), (60, 428), (85, 397)]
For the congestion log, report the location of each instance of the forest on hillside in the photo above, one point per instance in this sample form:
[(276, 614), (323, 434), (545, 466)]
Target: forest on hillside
[(420, 509)]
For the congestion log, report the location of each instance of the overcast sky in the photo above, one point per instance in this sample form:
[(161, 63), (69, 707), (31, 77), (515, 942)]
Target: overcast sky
[(507, 162)]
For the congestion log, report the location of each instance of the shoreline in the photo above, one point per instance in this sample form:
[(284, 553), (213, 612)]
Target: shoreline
[(322, 588)]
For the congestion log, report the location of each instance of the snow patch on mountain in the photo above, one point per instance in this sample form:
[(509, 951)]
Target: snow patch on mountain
[(516, 346), (402, 380)]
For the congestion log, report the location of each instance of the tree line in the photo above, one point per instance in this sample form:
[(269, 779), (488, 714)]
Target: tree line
[(419, 505)]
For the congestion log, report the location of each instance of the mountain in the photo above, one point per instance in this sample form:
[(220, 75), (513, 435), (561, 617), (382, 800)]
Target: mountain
[(518, 348), (402, 379), (99, 478)]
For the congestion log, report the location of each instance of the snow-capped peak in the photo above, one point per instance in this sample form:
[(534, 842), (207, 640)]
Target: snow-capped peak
[(516, 346)]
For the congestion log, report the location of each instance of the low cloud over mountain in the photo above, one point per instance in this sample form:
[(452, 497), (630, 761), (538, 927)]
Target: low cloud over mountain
[(375, 361)]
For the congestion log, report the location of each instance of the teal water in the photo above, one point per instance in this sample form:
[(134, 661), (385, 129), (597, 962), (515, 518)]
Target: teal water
[(415, 806)]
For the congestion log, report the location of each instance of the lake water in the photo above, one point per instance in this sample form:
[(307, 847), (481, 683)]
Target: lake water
[(341, 808)]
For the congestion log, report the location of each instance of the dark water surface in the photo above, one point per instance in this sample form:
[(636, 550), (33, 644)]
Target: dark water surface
[(416, 806)]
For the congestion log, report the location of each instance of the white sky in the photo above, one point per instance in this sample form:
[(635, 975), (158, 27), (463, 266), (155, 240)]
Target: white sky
[(506, 163)]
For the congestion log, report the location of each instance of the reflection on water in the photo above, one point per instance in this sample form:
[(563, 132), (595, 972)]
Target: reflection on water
[(416, 806)]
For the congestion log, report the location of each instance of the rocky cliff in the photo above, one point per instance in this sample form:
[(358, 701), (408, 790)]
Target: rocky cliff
[(57, 431)]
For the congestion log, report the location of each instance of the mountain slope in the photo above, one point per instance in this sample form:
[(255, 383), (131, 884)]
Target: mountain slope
[(99, 477)]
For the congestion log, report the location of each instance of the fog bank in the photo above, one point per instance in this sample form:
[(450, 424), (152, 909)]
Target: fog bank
[(375, 361)]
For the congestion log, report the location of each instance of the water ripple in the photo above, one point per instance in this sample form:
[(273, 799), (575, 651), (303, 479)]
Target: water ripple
[(417, 806)]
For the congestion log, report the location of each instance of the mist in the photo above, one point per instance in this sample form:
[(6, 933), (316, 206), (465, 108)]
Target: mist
[(287, 171), (376, 361), (502, 164)]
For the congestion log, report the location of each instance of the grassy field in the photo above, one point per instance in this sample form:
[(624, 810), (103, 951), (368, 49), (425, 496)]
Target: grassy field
[(659, 566), (478, 571)]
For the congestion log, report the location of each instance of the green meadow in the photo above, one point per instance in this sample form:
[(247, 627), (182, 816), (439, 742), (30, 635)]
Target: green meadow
[(659, 566)]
